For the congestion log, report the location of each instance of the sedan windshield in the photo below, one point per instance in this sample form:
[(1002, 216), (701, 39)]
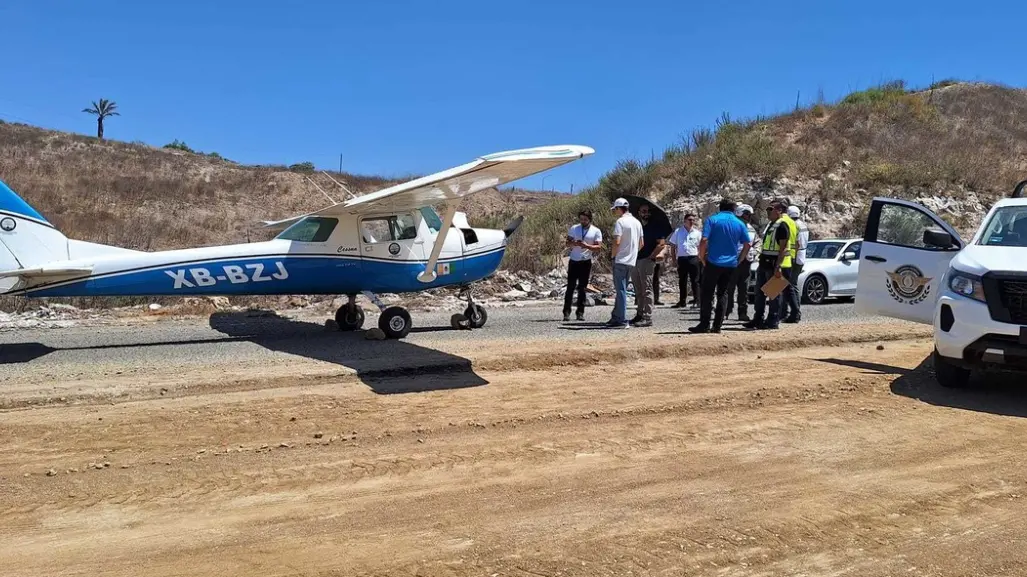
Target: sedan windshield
[(823, 249), (1007, 227)]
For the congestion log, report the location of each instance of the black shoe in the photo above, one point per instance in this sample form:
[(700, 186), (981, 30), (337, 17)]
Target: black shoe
[(580, 316), (744, 318), (791, 320), (566, 317), (642, 323), (699, 329), (657, 303), (753, 325), (767, 327), (678, 305)]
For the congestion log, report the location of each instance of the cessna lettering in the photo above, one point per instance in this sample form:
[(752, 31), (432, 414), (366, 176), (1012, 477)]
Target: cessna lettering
[(235, 274)]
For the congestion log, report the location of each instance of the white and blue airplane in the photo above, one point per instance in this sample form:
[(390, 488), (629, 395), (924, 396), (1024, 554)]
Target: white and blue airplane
[(391, 241)]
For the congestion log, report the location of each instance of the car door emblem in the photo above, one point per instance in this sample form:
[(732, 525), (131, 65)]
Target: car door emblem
[(8, 224), (394, 249), (908, 285)]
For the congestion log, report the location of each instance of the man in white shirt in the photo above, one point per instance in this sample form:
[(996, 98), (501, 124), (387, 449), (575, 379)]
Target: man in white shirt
[(584, 240), (627, 241), (684, 242), (790, 312), (741, 280)]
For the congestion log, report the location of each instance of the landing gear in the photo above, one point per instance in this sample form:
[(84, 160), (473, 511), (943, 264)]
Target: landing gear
[(349, 317), (473, 317), (395, 322)]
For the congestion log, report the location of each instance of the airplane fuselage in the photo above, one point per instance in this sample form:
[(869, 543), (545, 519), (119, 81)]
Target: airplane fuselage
[(317, 256)]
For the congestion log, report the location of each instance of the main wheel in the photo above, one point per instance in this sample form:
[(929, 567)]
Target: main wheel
[(349, 318), (395, 322), (949, 375), (477, 315), (815, 289)]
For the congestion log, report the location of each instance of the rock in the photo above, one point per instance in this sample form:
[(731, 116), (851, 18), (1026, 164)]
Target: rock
[(374, 334), (155, 307), (220, 302), (880, 347), (513, 295), (331, 325), (523, 286), (318, 435), (284, 445), (51, 473)]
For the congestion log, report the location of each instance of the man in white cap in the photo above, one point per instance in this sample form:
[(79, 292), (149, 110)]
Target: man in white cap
[(790, 312), (740, 283), (627, 241)]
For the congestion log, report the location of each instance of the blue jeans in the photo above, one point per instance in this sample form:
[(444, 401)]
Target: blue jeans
[(621, 273)]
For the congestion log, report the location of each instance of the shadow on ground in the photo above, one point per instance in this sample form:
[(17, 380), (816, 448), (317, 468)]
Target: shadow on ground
[(993, 392), (387, 367)]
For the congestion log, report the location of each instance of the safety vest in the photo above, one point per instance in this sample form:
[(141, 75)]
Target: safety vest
[(770, 245)]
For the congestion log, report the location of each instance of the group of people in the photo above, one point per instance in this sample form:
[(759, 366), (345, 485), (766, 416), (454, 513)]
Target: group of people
[(713, 263)]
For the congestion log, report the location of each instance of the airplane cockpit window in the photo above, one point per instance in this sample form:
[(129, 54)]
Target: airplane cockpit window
[(310, 229), (431, 218)]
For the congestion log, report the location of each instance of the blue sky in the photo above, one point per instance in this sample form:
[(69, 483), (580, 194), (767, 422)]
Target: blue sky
[(415, 86)]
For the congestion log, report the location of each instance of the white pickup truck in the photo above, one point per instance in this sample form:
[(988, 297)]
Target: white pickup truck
[(914, 266)]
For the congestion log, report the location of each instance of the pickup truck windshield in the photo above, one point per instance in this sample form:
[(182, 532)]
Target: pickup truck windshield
[(1007, 227)]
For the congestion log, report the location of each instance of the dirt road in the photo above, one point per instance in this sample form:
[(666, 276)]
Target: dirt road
[(584, 458)]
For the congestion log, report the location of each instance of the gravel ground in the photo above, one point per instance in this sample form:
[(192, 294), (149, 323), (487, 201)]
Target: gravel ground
[(238, 338)]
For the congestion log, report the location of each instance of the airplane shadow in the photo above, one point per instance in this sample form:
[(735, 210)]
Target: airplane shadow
[(387, 367), (994, 393), (390, 366)]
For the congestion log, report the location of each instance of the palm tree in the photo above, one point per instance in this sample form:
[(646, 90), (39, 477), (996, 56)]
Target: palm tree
[(102, 110)]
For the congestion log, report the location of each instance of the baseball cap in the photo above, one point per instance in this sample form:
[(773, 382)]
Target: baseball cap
[(793, 211), (742, 209), (619, 203)]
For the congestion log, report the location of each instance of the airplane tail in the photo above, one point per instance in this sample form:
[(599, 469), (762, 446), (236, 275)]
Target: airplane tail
[(27, 239)]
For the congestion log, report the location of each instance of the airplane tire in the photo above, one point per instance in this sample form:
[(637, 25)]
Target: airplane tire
[(476, 315), (349, 318), (395, 322)]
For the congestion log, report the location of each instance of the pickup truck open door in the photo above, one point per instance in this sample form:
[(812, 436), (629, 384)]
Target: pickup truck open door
[(906, 253)]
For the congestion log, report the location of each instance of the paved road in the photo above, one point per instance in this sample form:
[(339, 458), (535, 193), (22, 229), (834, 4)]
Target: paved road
[(238, 338)]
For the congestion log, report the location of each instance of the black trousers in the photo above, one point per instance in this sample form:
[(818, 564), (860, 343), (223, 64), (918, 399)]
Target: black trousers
[(656, 283), (763, 274), (715, 282), (791, 297), (739, 286), (688, 275), (578, 272)]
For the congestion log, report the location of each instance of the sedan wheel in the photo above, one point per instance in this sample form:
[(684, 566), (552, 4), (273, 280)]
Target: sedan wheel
[(815, 290)]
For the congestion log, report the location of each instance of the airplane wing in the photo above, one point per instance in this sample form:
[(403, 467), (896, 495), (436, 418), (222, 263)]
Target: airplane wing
[(485, 172)]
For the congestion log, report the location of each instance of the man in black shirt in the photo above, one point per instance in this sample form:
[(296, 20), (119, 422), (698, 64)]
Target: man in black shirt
[(642, 274)]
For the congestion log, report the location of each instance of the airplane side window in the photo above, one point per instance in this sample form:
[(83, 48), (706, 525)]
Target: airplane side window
[(376, 230), (406, 227), (431, 218), (310, 229)]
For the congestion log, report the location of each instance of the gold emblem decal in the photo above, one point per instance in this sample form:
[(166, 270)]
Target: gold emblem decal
[(908, 285)]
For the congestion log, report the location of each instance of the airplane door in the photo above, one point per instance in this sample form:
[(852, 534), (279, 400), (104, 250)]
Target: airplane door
[(900, 272), (391, 238)]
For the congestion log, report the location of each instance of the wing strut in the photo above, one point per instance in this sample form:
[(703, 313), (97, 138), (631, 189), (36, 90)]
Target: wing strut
[(429, 273)]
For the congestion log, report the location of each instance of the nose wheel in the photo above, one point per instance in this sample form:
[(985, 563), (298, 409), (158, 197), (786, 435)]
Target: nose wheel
[(473, 317)]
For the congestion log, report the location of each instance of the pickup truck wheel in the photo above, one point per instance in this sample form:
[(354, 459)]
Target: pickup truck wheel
[(949, 375)]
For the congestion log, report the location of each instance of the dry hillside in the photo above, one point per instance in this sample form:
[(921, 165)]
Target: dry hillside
[(953, 146), (149, 198)]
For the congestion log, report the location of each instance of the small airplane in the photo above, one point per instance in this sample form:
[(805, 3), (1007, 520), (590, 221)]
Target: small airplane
[(392, 240)]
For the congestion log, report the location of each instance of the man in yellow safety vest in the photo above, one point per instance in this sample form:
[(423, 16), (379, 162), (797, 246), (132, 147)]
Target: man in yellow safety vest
[(775, 261)]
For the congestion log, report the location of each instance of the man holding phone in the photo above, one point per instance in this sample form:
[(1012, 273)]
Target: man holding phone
[(584, 240)]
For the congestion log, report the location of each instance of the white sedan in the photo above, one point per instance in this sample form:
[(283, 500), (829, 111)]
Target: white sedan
[(831, 270)]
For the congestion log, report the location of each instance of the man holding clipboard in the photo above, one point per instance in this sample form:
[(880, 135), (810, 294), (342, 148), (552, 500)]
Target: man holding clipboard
[(775, 265)]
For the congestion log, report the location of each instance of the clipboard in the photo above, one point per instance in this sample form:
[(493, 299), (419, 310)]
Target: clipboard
[(775, 286)]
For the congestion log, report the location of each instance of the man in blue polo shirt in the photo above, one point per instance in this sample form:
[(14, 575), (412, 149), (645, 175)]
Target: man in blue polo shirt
[(725, 243)]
